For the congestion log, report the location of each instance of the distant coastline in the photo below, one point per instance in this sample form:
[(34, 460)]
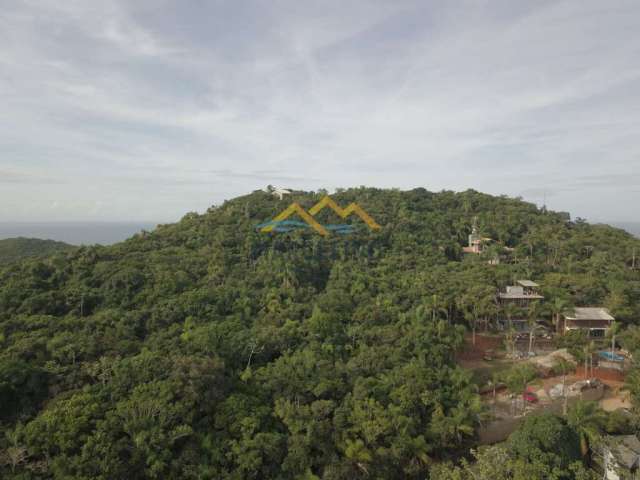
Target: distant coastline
[(631, 227), (108, 233), (75, 233)]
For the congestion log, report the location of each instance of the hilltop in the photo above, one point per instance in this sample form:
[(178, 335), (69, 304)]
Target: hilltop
[(14, 249), (208, 349)]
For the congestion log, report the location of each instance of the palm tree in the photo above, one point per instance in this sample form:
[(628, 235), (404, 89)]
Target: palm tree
[(589, 348), (564, 365), (510, 341), (494, 382), (517, 379), (15, 454), (489, 310), (420, 314), (451, 427), (477, 303), (469, 311), (357, 452), (613, 331), (510, 311), (435, 307), (558, 307), (529, 243), (533, 314), (588, 420)]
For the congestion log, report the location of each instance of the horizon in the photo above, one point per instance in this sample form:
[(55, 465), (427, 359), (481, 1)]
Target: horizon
[(107, 232), (75, 233), (85, 221)]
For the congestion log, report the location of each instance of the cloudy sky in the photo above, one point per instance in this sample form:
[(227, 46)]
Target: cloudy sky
[(144, 110)]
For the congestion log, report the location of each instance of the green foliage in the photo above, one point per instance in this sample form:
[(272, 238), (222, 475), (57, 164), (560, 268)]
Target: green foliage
[(15, 249), (619, 422), (23, 386), (589, 421), (207, 350), (548, 442), (575, 342), (562, 366), (630, 339), (501, 462), (518, 376)]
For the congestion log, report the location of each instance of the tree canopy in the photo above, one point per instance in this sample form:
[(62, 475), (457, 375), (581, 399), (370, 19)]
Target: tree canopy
[(207, 349)]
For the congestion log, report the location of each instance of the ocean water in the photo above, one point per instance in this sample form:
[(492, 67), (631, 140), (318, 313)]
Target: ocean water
[(631, 227), (75, 233), (107, 233)]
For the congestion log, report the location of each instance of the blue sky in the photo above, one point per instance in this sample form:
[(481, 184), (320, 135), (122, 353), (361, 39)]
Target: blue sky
[(132, 111)]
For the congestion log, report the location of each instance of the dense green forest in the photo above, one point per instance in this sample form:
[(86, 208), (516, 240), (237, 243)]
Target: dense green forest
[(209, 350), (14, 249)]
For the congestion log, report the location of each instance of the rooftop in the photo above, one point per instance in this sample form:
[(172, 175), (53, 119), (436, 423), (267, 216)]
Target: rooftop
[(530, 296), (590, 313), (627, 450), (516, 291), (527, 283)]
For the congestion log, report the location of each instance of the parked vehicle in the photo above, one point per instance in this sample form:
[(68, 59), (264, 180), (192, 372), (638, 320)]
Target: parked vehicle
[(530, 397)]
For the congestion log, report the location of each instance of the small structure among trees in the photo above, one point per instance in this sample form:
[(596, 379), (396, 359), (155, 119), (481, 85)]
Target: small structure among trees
[(522, 294), (476, 241), (596, 320), (517, 304)]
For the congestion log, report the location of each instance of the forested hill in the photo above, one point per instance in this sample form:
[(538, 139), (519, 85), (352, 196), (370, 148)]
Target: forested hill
[(209, 350), (14, 249)]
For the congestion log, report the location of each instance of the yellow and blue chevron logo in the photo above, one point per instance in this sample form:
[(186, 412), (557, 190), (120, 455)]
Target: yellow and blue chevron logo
[(281, 222)]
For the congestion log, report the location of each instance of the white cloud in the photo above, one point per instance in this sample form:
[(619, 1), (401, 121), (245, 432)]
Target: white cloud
[(171, 107)]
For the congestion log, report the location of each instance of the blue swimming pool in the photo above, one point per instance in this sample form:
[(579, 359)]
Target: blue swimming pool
[(612, 357)]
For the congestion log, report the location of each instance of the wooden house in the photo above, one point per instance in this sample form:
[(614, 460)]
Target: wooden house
[(521, 295), (596, 320)]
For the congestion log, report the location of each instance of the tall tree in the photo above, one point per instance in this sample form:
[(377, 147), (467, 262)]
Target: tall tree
[(534, 312), (589, 420)]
